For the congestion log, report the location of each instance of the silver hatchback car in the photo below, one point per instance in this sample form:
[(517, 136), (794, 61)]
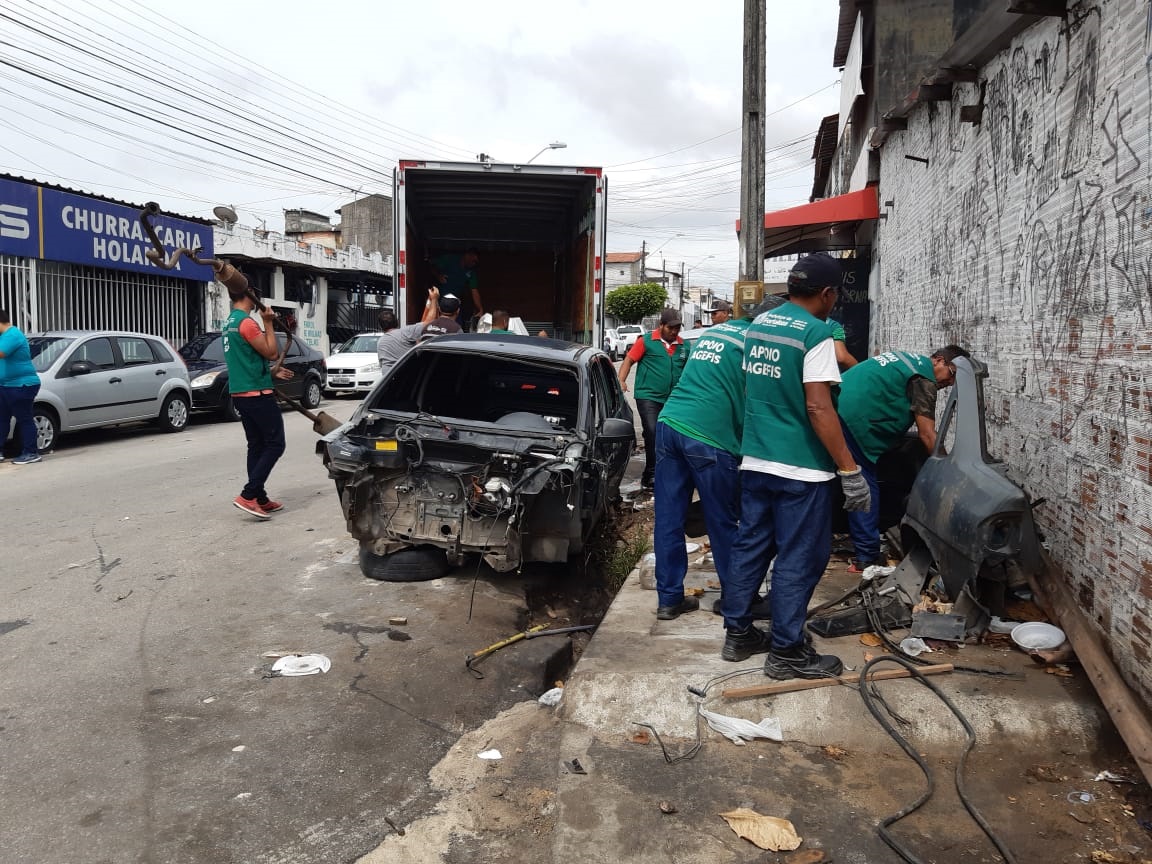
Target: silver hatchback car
[(91, 378)]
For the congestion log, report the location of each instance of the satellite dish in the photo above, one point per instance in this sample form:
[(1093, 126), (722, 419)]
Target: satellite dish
[(225, 214)]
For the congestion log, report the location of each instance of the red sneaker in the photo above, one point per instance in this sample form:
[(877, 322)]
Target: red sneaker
[(249, 505), (271, 506)]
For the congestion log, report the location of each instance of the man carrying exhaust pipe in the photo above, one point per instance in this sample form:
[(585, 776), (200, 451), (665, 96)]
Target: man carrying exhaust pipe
[(247, 351)]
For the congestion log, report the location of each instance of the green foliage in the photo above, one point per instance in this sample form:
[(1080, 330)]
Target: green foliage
[(630, 303), (624, 557)]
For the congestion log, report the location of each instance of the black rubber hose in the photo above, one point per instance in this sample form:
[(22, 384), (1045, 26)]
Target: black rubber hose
[(970, 742)]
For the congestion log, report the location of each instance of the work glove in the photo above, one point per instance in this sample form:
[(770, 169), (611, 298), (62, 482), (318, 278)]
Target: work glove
[(857, 495)]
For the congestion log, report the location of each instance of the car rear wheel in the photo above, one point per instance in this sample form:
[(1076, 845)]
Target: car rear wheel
[(47, 427), (174, 412), (413, 564), (312, 393)]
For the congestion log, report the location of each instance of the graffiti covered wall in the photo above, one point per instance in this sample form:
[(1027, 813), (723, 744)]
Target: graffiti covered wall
[(1028, 239)]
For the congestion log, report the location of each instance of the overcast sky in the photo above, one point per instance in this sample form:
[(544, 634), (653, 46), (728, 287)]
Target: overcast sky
[(276, 106)]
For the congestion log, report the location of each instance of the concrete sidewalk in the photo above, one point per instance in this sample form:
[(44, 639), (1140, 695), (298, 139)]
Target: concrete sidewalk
[(837, 774)]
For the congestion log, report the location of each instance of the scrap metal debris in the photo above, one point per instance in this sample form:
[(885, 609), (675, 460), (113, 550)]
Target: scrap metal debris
[(573, 766), (767, 832), (641, 737), (667, 808)]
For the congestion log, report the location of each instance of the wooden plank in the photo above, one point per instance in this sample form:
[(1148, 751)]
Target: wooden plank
[(1122, 704), (816, 683)]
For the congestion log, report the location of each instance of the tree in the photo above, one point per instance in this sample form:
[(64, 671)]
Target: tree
[(630, 303)]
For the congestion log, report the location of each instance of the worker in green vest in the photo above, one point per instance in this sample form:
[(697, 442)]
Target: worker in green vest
[(793, 450), (659, 358), (879, 400)]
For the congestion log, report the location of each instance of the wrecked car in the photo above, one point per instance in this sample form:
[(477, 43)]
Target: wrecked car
[(509, 448)]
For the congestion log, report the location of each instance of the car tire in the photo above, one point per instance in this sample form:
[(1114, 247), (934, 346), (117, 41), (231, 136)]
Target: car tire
[(174, 412), (412, 564), (47, 427), (228, 409), (312, 394)]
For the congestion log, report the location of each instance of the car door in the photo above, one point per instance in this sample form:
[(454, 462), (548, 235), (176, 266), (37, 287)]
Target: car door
[(609, 402), (143, 378), (92, 398)]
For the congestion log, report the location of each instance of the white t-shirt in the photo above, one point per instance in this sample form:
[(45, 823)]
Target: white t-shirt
[(819, 365)]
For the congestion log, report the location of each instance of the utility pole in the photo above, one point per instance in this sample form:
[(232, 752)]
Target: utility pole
[(752, 156), (643, 260)]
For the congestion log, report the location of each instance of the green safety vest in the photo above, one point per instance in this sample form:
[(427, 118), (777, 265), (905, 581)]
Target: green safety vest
[(776, 424), (658, 371), (874, 399), (707, 403), (247, 370)]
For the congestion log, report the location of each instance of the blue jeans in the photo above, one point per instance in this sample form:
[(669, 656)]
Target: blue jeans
[(796, 517), (649, 411), (864, 525), (18, 402), (684, 464), (264, 428)]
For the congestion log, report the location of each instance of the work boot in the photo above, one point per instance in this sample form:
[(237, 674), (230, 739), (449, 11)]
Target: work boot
[(801, 662), (761, 608), (667, 613), (856, 567), (740, 645)]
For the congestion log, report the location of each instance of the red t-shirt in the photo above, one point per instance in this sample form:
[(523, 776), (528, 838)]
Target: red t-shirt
[(637, 349)]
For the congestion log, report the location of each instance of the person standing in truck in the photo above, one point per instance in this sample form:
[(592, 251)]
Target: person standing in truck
[(879, 400), (397, 342), (500, 321), (793, 450), (659, 358), (456, 274)]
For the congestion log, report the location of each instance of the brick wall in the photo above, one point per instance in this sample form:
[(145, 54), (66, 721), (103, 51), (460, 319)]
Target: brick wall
[(1027, 239)]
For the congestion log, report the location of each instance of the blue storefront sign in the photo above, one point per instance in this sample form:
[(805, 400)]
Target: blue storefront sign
[(36, 222)]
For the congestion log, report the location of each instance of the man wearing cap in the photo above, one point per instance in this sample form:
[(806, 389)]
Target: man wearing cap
[(793, 449), (438, 319), (879, 400), (698, 448), (721, 311), (659, 358)]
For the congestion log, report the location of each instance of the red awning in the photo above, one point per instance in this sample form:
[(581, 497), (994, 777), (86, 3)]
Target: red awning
[(827, 224)]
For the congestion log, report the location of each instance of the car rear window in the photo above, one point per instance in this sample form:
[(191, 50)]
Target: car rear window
[(629, 329), (46, 349), (490, 389), (207, 346)]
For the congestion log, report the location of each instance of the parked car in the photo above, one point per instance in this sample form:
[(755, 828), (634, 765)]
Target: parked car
[(617, 341), (511, 449), (354, 367), (92, 378), (205, 358)]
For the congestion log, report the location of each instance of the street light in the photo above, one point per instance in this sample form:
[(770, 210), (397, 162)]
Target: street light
[(555, 145), (686, 287)]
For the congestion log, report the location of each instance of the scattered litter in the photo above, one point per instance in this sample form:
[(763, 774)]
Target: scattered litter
[(552, 697), (209, 700), (692, 547), (999, 625), (913, 646), (243, 796), (1060, 671), (305, 664), (126, 518), (491, 755), (573, 766), (1082, 818), (737, 729), (869, 656), (667, 808), (1079, 797), (836, 754), (1046, 773), (276, 655), (641, 737), (398, 621), (1102, 857), (693, 592), (240, 748), (767, 832), (549, 611), (713, 585), (1110, 777), (1062, 655), (1038, 636), (871, 640), (808, 856)]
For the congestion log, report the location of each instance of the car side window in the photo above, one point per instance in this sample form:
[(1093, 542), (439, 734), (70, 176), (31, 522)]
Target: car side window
[(161, 352), (615, 394), (98, 352), (135, 351), (607, 404)]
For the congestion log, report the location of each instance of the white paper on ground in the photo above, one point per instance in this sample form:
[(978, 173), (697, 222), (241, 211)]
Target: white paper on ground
[(490, 754), (305, 664), (552, 697), (737, 729)]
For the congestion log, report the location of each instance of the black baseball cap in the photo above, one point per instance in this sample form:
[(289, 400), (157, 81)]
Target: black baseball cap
[(720, 306), (449, 303), (671, 317), (813, 273)]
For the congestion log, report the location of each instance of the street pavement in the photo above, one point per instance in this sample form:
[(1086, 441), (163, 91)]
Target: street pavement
[(136, 719)]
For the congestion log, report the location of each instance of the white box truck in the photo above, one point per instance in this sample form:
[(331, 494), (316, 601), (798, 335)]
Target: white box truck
[(538, 230)]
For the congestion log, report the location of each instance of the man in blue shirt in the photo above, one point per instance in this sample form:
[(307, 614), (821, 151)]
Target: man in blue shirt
[(19, 385)]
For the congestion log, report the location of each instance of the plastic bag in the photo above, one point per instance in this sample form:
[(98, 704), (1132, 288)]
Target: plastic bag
[(552, 697), (737, 729)]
